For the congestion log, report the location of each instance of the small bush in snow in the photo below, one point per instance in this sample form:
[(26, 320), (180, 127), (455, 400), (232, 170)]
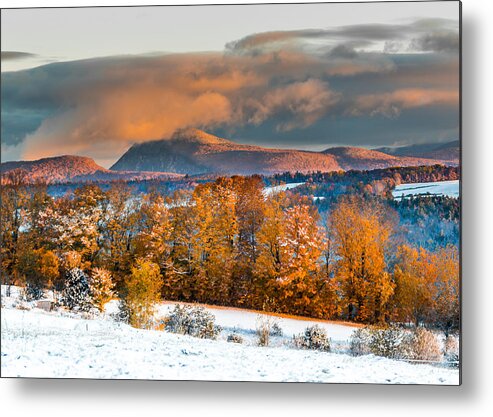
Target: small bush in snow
[(359, 342), (22, 305), (263, 330), (33, 292), (314, 338), (122, 314), (75, 294), (452, 350), (422, 344), (385, 342), (101, 287), (192, 321), (235, 338), (276, 329)]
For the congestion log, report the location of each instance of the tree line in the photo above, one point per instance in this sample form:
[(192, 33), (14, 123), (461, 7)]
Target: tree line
[(227, 242)]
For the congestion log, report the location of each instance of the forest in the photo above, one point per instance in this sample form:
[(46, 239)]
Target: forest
[(356, 255)]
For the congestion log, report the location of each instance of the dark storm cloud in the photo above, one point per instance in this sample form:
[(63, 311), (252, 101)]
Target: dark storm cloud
[(437, 42), (423, 31), (343, 51), (270, 88), (14, 55)]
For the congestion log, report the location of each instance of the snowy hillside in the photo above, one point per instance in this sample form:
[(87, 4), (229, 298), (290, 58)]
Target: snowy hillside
[(59, 344)]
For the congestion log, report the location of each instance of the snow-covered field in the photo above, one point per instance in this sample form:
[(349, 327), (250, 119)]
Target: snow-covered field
[(59, 344), (278, 188), (440, 188)]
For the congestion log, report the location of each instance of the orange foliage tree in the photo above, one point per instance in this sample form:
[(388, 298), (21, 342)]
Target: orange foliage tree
[(361, 236)]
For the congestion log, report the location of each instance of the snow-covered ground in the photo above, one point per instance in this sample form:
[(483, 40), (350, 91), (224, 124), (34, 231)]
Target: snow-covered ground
[(61, 344), (244, 322), (278, 188), (440, 188)]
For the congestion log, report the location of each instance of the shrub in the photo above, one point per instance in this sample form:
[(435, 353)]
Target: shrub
[(33, 292), (314, 338), (276, 329), (143, 289), (75, 294), (71, 260), (235, 338), (122, 314), (422, 344), (263, 330), (384, 342), (452, 350), (359, 342), (101, 287), (192, 321)]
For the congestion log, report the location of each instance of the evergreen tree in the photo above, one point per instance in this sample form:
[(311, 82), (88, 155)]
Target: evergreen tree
[(75, 294)]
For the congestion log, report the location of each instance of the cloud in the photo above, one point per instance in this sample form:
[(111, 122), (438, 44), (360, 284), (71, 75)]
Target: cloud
[(15, 55), (298, 104), (99, 107), (391, 104), (425, 33), (444, 41)]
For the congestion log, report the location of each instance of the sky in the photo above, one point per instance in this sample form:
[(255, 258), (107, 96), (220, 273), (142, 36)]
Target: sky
[(94, 81)]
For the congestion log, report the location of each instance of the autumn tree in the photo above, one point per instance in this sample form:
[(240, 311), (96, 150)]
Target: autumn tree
[(142, 292), (119, 228), (215, 246), (269, 265), (427, 287), (152, 239), (361, 235), (415, 285), (448, 291), (300, 250), (14, 196), (39, 269), (249, 212), (180, 276), (100, 287)]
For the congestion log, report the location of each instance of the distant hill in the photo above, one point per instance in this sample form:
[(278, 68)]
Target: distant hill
[(192, 151), (70, 168), (361, 159), (449, 151)]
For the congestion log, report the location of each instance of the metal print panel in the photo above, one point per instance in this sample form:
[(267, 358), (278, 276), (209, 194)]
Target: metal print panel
[(232, 192)]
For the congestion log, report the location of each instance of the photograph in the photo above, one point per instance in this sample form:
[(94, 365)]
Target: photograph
[(235, 192)]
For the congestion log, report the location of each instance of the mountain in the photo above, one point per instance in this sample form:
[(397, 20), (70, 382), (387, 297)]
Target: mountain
[(449, 151), (70, 168), (192, 151), (361, 159)]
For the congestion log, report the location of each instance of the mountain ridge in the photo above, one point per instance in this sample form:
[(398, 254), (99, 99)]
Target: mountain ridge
[(194, 152), (70, 168)]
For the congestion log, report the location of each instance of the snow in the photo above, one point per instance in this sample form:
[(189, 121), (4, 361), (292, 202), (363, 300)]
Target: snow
[(440, 188), (59, 344), (244, 321), (278, 188)]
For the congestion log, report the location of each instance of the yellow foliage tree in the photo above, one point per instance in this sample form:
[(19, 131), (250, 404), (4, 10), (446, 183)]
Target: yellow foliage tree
[(361, 233), (215, 245), (143, 291)]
